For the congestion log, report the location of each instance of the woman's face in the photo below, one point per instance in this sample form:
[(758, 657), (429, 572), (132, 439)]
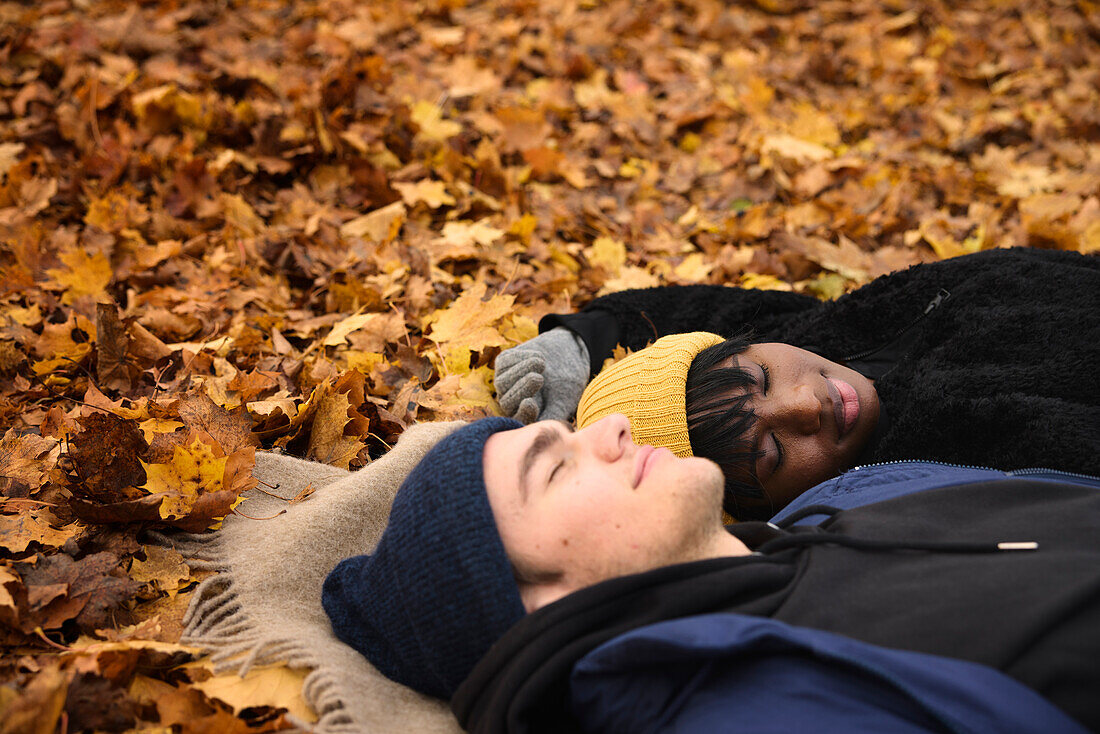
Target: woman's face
[(813, 418)]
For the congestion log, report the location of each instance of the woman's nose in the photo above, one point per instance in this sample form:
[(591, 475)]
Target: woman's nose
[(608, 437), (798, 410)]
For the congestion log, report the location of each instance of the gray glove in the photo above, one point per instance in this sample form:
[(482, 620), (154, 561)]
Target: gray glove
[(542, 378)]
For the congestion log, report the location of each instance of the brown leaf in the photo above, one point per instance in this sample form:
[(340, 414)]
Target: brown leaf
[(163, 568), (88, 590), (39, 704), (111, 345), (98, 704), (231, 429), (17, 532), (327, 442), (106, 456), (21, 458)]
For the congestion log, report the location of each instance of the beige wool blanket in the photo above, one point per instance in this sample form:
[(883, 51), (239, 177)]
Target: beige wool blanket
[(264, 604)]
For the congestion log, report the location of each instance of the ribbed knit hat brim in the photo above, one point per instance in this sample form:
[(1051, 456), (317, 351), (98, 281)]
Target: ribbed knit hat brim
[(438, 590), (649, 387)]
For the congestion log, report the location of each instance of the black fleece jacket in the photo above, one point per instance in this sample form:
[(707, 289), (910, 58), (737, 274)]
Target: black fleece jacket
[(991, 359)]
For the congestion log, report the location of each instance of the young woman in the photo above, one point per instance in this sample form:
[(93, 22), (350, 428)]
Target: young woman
[(992, 359)]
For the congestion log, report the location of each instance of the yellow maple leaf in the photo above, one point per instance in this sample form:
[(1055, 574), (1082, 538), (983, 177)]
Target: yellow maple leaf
[(631, 276), (476, 388), (194, 470), (380, 225), (152, 426), (432, 193), (693, 269), (432, 125), (814, 126), (518, 329), (607, 253), (470, 233), (277, 686), (471, 323), (9, 155), (764, 282), (83, 275)]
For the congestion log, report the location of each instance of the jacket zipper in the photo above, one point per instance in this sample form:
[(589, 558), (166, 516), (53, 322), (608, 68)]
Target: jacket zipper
[(942, 296), (1030, 471)]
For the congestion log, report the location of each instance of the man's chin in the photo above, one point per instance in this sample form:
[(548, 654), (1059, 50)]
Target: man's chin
[(712, 482)]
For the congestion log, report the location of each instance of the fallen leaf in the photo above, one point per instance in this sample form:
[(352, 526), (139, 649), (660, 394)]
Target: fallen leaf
[(381, 225), (327, 442), (162, 567), (17, 532), (38, 706), (277, 686), (231, 429), (471, 322), (432, 193), (111, 345), (84, 274), (193, 471)]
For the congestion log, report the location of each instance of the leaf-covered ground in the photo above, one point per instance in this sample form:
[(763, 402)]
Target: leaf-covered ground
[(302, 225)]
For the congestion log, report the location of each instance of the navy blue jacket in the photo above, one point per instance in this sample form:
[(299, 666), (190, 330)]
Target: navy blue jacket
[(663, 651), (735, 673)]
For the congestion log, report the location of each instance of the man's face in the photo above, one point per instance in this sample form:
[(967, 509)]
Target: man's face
[(814, 417), (582, 507)]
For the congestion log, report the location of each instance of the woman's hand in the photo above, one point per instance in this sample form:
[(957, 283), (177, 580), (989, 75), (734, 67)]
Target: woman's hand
[(542, 379)]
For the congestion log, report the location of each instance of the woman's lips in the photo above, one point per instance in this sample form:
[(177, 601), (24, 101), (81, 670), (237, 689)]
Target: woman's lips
[(847, 409)]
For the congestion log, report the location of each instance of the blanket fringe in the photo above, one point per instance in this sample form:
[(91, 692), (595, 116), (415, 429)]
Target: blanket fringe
[(216, 623)]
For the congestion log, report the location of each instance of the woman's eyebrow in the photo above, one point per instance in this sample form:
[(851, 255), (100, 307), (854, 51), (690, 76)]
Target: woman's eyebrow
[(544, 440)]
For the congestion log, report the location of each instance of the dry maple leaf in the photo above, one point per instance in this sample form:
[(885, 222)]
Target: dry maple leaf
[(88, 591), (471, 322), (230, 429), (277, 686), (83, 275), (17, 532), (163, 567), (194, 470), (21, 458), (327, 442), (111, 345), (106, 456), (38, 705)]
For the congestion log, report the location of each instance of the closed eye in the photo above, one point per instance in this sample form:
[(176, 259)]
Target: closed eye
[(767, 379), (554, 471)]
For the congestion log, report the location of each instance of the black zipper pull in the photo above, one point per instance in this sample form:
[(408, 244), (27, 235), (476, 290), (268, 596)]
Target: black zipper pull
[(942, 296)]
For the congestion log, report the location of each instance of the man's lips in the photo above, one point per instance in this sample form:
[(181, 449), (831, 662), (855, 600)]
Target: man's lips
[(643, 459), (845, 404)]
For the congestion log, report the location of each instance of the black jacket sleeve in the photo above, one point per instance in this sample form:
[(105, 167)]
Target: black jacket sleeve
[(635, 318)]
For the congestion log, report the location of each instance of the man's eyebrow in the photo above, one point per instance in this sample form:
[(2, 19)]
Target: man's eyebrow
[(545, 439)]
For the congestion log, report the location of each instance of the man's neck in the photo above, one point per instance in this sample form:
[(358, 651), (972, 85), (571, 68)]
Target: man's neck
[(723, 544)]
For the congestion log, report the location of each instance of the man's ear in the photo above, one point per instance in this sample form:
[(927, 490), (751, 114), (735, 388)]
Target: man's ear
[(537, 595)]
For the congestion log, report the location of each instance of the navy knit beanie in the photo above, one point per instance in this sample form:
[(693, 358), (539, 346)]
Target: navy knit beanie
[(438, 590)]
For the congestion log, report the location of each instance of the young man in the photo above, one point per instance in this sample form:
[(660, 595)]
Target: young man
[(549, 580)]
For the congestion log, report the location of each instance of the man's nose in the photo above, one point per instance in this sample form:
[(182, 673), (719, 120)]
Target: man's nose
[(608, 437), (798, 410)]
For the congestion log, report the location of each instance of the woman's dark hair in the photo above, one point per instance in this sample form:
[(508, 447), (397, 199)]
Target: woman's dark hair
[(719, 416)]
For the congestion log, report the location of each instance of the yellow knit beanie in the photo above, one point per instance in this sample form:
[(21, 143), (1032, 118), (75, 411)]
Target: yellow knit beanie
[(648, 387)]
